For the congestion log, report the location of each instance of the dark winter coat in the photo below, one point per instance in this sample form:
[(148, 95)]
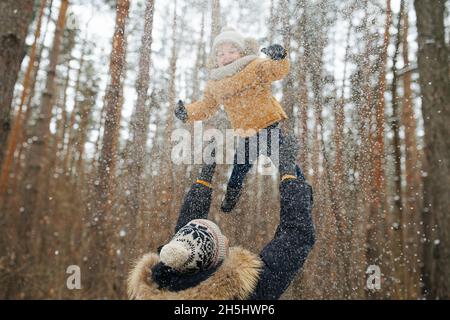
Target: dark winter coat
[(242, 275)]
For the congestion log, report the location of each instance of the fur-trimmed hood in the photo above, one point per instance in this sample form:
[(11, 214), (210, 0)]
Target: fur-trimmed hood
[(236, 278)]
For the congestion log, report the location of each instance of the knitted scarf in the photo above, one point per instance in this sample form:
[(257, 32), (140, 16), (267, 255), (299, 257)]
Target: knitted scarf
[(231, 69)]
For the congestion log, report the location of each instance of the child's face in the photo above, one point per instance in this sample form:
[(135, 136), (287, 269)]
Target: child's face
[(227, 53)]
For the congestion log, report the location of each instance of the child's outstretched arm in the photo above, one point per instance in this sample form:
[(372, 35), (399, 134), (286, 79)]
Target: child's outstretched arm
[(199, 110), (277, 67)]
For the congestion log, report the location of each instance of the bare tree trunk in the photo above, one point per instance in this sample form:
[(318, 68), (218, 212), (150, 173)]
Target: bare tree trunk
[(411, 215), (289, 95), (380, 116), (33, 187), (302, 96), (28, 109), (397, 217), (198, 62), (38, 151), (364, 163), (337, 193), (435, 84), (139, 127), (272, 21), (15, 132), (75, 110), (100, 125), (325, 221), (15, 16), (216, 21), (376, 227), (86, 107), (167, 166), (107, 163)]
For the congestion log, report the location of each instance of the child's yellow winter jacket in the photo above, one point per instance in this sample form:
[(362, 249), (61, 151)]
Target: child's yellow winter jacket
[(246, 97)]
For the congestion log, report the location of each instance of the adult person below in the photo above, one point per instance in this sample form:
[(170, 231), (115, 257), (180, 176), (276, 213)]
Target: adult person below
[(198, 264)]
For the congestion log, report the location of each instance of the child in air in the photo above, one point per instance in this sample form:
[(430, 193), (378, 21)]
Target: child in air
[(241, 82)]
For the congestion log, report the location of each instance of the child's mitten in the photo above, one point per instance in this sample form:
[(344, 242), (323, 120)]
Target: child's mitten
[(275, 52), (180, 111)]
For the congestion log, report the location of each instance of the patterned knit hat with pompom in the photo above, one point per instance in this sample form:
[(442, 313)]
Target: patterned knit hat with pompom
[(199, 245)]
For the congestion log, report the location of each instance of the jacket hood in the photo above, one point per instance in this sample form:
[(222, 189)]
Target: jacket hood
[(236, 278)]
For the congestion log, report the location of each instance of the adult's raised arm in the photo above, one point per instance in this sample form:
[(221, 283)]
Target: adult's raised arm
[(285, 255)]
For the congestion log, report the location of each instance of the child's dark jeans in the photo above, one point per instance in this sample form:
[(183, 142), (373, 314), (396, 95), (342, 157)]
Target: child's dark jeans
[(266, 142), (247, 152)]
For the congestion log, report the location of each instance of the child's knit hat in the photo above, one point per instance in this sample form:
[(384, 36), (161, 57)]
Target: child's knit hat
[(228, 34), (249, 46), (199, 245)]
